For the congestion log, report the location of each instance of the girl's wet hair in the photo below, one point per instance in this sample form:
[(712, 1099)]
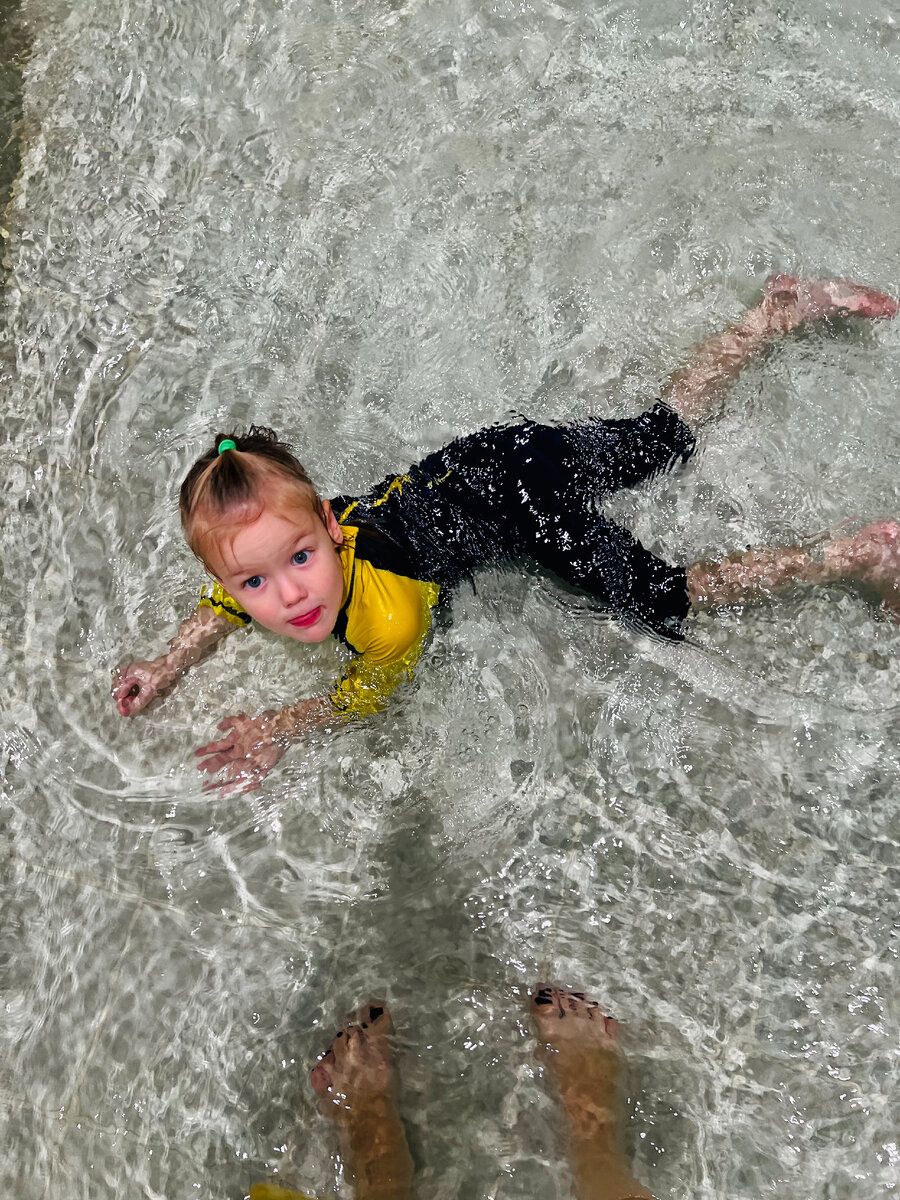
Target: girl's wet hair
[(245, 478)]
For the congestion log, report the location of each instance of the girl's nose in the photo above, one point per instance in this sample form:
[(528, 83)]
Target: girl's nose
[(291, 590)]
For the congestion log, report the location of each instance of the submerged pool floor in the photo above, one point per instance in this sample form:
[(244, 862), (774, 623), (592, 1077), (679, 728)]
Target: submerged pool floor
[(374, 226)]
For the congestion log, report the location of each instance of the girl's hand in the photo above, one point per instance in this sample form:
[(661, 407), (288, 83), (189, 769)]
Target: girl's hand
[(253, 745), (251, 748), (136, 684)]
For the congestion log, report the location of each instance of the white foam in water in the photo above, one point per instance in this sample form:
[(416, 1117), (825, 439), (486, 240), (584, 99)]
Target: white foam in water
[(374, 226)]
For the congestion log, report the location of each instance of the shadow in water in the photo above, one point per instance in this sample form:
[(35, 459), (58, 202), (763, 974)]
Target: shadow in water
[(14, 46)]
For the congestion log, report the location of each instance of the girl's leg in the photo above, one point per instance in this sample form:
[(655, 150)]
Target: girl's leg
[(356, 1085), (871, 557), (580, 1053), (787, 302), (596, 458)]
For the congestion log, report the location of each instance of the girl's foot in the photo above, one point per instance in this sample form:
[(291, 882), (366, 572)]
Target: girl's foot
[(812, 299), (872, 557), (786, 303)]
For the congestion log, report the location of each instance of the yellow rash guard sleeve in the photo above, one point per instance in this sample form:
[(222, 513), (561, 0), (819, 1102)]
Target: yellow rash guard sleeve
[(364, 687), (215, 597)]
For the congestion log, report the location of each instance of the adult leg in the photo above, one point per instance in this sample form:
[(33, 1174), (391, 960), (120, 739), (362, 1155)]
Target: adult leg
[(871, 558), (579, 1051), (356, 1084), (786, 303)]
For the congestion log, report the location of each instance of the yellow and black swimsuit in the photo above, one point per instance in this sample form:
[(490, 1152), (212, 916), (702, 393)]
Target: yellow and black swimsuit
[(513, 490), (385, 617)]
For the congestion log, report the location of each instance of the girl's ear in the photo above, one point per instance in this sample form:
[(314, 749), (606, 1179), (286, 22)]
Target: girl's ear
[(334, 530)]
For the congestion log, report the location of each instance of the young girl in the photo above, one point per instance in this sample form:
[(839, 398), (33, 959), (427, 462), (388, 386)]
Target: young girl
[(370, 569)]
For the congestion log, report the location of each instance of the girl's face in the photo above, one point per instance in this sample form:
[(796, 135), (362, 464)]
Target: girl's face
[(285, 570)]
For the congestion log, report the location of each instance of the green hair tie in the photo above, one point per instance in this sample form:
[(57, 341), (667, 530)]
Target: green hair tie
[(226, 444)]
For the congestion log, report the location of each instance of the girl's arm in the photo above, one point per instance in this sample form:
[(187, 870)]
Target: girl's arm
[(135, 685), (253, 745)]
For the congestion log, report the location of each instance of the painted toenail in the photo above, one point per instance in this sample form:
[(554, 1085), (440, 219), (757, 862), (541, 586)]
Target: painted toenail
[(543, 997), (375, 1012)]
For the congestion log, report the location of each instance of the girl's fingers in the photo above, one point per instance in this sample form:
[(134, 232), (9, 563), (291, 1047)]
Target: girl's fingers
[(229, 755), (215, 747), (242, 769), (127, 696), (216, 762), (224, 743), (231, 778), (232, 722), (243, 780), (134, 701)]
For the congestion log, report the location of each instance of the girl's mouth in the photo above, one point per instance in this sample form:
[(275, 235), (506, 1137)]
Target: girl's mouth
[(307, 619)]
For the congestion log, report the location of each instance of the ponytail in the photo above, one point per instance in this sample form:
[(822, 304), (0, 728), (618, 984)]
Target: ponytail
[(233, 474)]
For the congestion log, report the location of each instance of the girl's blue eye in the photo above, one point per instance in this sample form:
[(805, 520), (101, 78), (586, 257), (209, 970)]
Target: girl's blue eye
[(301, 557), (254, 581)]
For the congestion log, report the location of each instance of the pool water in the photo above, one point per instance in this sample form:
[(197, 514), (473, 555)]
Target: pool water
[(374, 226)]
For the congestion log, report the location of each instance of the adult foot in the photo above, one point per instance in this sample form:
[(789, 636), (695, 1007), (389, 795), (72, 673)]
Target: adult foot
[(812, 299), (580, 1051), (356, 1085), (358, 1065), (564, 1018), (872, 557)]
